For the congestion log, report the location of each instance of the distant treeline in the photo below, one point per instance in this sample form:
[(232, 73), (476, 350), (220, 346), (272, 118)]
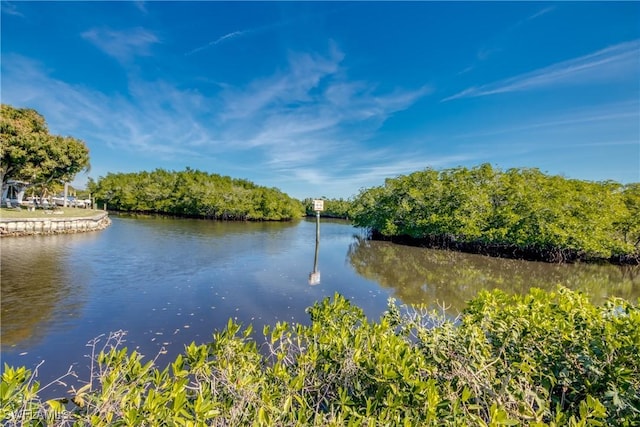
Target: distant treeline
[(195, 194), (522, 213), (333, 208)]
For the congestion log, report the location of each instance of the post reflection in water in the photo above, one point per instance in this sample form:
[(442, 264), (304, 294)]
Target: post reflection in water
[(314, 276)]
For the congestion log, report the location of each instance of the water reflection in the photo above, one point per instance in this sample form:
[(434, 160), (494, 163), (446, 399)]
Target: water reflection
[(169, 282), (314, 276), (38, 286), (168, 226), (419, 275)]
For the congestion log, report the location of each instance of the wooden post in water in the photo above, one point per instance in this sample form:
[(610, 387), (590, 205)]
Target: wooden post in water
[(314, 277), (318, 205)]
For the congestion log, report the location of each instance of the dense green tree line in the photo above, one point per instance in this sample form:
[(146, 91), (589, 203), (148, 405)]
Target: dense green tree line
[(193, 193), (28, 152), (333, 208), (522, 211), (540, 359)]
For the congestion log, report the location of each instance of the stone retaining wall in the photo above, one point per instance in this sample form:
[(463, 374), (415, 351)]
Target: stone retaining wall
[(10, 227)]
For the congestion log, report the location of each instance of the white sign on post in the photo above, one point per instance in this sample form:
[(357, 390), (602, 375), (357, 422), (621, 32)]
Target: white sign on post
[(318, 205)]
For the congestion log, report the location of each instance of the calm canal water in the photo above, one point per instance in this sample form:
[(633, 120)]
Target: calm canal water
[(168, 282)]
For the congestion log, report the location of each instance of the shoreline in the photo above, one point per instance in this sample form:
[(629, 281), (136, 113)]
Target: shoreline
[(20, 227), (548, 255)]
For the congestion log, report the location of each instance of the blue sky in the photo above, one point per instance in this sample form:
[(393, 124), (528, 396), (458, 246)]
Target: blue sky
[(323, 99)]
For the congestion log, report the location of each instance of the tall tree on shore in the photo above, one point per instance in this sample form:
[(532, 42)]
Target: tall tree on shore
[(28, 152)]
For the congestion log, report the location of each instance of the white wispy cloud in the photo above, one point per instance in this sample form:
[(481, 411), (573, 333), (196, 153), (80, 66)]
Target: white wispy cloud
[(241, 33), (555, 121), (288, 124), (122, 44), (541, 12), (128, 123), (229, 36), (392, 166), (372, 172), (485, 53), (620, 59), (10, 8), (309, 111), (226, 37), (289, 87), (141, 6), (578, 141), (247, 32), (495, 45)]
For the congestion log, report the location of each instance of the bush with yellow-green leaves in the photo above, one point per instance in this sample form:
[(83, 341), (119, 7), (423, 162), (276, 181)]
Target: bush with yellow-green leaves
[(545, 358)]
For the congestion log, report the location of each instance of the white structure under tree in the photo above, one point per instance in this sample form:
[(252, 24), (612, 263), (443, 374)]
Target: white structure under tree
[(13, 193)]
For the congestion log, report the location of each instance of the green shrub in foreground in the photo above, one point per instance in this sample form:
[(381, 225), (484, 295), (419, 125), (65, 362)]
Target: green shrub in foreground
[(546, 358)]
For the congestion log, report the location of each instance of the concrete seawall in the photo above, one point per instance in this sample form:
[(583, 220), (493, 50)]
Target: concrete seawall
[(12, 227)]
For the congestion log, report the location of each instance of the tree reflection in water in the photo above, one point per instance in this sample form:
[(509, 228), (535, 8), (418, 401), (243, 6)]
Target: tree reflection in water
[(38, 289), (434, 277)]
